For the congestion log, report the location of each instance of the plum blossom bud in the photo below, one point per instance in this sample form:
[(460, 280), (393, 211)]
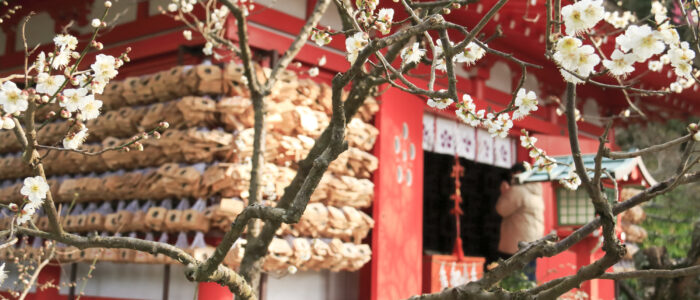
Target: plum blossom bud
[(96, 23), (693, 127), (626, 113), (138, 146), (172, 7), (108, 4), (144, 135), (61, 98), (163, 125), (156, 135), (187, 34), (446, 11), (13, 207), (65, 114), (45, 99), (126, 149), (696, 136), (313, 72), (50, 115), (75, 55), (7, 123), (99, 46)]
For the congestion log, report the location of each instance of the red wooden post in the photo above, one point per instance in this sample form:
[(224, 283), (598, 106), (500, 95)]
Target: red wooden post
[(213, 291), (48, 274), (397, 236)]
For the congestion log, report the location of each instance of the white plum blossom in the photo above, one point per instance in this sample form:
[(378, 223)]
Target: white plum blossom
[(472, 119), (527, 141), (91, 109), (25, 214), (3, 273), (412, 54), (498, 126), (47, 84), (13, 99), (526, 103), (466, 111), (104, 67), (659, 11), (66, 41), (355, 44), (618, 20), (440, 103), (669, 35), (384, 20), (676, 87), (40, 63), (572, 182), (542, 161), (681, 58), (75, 139), (582, 15), (75, 99), (620, 64), (438, 56), (682, 54), (567, 52), (35, 188), (587, 60), (655, 65), (642, 41), (321, 38), (683, 69), (61, 59), (472, 52), (574, 57)]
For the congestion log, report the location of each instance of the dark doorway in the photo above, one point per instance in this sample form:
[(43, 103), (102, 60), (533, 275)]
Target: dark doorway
[(480, 224)]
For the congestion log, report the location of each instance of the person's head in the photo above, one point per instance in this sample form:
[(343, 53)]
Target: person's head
[(508, 178), (517, 168)]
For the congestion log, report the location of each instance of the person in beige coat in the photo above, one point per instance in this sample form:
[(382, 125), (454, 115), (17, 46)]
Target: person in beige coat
[(522, 208)]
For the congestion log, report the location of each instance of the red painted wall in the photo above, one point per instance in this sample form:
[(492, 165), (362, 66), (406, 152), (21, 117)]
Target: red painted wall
[(398, 207)]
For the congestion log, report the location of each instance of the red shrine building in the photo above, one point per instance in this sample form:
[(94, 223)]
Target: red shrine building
[(415, 229)]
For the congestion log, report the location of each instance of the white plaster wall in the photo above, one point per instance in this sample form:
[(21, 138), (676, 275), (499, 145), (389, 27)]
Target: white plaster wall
[(532, 84), (591, 109), (39, 30), (295, 8), (314, 286), (122, 11), (500, 77), (3, 42), (332, 18), (132, 281)]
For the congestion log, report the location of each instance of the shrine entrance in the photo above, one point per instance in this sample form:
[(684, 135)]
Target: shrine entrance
[(479, 222)]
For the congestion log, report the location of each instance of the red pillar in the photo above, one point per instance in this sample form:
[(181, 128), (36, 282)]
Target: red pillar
[(213, 291), (398, 205), (48, 274)]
